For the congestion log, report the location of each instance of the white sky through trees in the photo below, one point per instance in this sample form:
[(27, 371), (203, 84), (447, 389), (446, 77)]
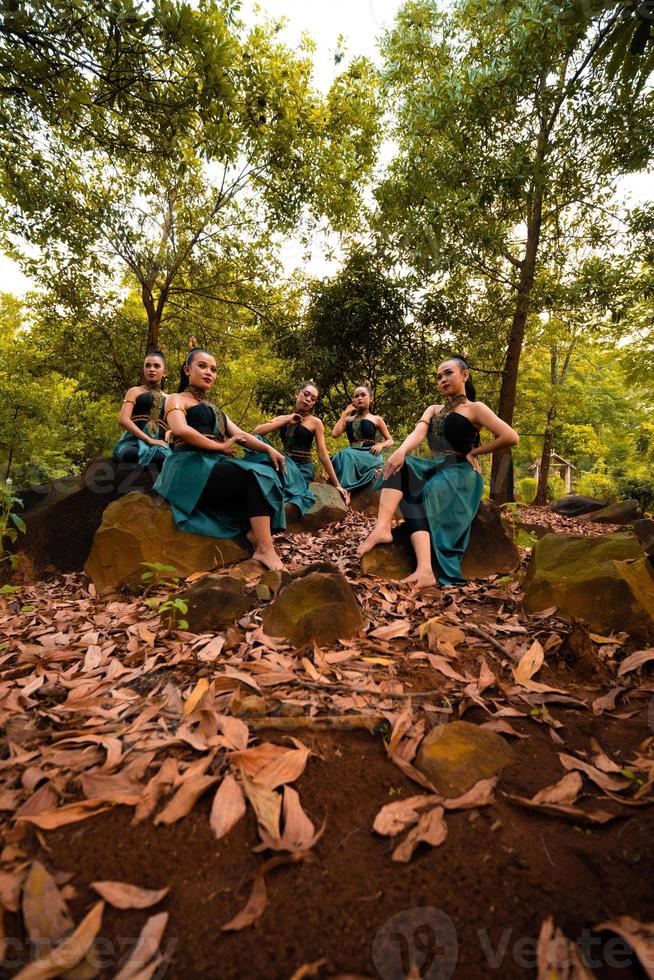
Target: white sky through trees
[(360, 23)]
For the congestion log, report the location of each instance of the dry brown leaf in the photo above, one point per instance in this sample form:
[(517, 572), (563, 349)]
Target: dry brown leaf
[(158, 787), (286, 768), (256, 903), (438, 632), (122, 895), (639, 935), (185, 799), (45, 798), (71, 813), (70, 952), (11, 884), (635, 660), (235, 731), (393, 818), (431, 829), (146, 949), (396, 629), (299, 832), (45, 912), (228, 806), (559, 958), (565, 791), (267, 805), (601, 779)]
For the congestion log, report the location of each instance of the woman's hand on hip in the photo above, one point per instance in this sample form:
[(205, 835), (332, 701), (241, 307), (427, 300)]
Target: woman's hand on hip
[(474, 462)]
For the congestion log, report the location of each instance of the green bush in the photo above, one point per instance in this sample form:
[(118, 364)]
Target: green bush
[(597, 484), (637, 488), (555, 487), (526, 489)]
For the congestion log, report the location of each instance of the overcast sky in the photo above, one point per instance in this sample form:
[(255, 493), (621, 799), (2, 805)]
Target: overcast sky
[(361, 22)]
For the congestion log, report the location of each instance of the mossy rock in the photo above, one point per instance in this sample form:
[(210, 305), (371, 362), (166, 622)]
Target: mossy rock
[(214, 602), (319, 606), (138, 529), (622, 512), (606, 581), (573, 505), (329, 508), (456, 756)]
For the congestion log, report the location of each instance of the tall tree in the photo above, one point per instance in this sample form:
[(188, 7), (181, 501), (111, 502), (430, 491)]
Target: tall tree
[(509, 141)]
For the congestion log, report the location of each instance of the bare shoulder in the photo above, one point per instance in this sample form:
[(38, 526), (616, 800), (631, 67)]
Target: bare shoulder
[(317, 423)]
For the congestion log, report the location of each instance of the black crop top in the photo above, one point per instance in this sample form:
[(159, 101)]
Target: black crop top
[(206, 419), (148, 413), (459, 434), (297, 439), (361, 430)]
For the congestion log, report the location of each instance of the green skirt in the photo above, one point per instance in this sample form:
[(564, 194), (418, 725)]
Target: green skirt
[(129, 442), (446, 493), (295, 481), (184, 477), (356, 468)]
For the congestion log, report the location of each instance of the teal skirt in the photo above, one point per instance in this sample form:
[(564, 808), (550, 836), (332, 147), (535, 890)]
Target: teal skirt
[(184, 477), (445, 492), (146, 453), (356, 468), (295, 481)]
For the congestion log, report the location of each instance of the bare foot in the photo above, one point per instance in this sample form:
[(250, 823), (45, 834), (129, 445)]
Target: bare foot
[(421, 580), (378, 535), (269, 558)]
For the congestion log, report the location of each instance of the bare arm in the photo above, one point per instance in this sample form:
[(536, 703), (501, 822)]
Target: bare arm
[(246, 439), (273, 425), (395, 461), (339, 428), (505, 436), (388, 438), (323, 456)]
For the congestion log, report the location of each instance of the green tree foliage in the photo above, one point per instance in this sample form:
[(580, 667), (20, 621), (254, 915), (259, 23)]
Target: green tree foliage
[(509, 143), (360, 327)]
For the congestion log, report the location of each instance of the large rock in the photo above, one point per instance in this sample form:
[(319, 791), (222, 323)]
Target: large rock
[(138, 529), (622, 512), (574, 504), (644, 531), (214, 602), (457, 755), (320, 606), (607, 581), (490, 551), (329, 508), (62, 516), (366, 501)]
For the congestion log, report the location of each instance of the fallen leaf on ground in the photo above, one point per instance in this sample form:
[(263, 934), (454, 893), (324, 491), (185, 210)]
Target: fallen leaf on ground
[(559, 958), (431, 829), (602, 779), (69, 953), (45, 912), (228, 806), (185, 799), (122, 895), (146, 949), (639, 935), (256, 903), (64, 815), (565, 791), (267, 806), (635, 660)]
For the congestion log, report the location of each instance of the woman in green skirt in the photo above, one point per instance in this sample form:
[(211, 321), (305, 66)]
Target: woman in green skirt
[(297, 432), (439, 496), (209, 489), (142, 443), (368, 435)]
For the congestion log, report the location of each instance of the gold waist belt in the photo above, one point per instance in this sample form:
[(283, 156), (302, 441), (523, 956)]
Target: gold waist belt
[(299, 453)]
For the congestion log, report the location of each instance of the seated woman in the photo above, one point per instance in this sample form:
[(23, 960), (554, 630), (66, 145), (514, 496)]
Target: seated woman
[(209, 490), (359, 464), (298, 431), (142, 416), (439, 496)]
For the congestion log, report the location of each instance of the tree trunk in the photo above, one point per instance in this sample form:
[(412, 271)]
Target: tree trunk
[(548, 445)]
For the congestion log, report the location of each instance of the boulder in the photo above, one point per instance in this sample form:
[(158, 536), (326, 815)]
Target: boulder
[(329, 508), (62, 516), (214, 602), (606, 581), (490, 551), (320, 606), (644, 531), (139, 528), (366, 501), (622, 512), (573, 505), (457, 755)]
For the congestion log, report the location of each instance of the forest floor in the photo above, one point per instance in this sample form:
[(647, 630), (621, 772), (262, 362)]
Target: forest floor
[(125, 759)]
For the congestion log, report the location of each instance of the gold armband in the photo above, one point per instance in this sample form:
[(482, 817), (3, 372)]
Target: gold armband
[(174, 408), (424, 421), (128, 401)]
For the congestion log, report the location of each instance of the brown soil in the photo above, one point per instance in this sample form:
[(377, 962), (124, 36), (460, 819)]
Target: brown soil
[(500, 872)]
